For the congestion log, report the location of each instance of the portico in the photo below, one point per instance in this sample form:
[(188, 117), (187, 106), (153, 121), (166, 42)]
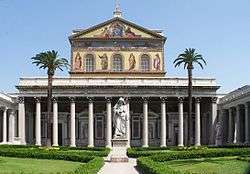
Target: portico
[(80, 119), (236, 116)]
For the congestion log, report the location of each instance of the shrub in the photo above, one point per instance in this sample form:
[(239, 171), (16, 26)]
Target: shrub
[(92, 167), (207, 153)]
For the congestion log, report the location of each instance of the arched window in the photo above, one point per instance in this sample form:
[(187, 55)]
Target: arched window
[(145, 62), (89, 63), (117, 63)]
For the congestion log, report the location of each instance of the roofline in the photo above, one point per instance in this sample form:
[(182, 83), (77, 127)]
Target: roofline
[(119, 19)]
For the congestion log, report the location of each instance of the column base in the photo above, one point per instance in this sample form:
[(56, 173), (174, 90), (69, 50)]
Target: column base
[(73, 145), (197, 145), (180, 145), (163, 145), (90, 146), (55, 145), (38, 144), (145, 146)]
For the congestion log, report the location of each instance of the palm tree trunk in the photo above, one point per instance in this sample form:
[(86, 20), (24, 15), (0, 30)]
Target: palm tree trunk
[(189, 103), (49, 105)]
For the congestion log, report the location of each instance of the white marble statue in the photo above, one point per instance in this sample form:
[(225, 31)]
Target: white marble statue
[(120, 118), (218, 135)]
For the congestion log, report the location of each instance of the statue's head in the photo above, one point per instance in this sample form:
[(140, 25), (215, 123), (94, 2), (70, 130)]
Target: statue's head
[(121, 101)]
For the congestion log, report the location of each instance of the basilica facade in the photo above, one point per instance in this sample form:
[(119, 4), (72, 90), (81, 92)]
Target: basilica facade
[(114, 59)]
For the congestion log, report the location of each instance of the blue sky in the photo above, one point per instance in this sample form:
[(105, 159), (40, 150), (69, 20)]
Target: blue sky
[(219, 29)]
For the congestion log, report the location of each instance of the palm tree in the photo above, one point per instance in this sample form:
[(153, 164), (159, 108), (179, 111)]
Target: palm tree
[(189, 58), (50, 61)]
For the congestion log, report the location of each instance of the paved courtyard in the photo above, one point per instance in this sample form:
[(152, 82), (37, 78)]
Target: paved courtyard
[(119, 168)]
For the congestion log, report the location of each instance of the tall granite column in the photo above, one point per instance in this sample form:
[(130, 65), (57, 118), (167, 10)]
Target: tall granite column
[(38, 121), (145, 123), (128, 122), (12, 126), (5, 109), (237, 126), (55, 122), (21, 120), (72, 122), (213, 119), (197, 122), (91, 124), (163, 123), (181, 123), (246, 123), (109, 124), (230, 126)]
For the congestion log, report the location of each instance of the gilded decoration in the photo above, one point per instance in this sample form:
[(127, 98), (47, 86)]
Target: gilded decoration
[(78, 62), (157, 62), (132, 62), (117, 30), (104, 61)]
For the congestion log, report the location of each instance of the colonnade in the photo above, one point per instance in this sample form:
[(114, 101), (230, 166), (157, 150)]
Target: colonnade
[(8, 118), (145, 141), (234, 117)]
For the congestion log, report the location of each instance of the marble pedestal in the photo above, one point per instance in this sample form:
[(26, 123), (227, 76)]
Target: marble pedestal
[(119, 150)]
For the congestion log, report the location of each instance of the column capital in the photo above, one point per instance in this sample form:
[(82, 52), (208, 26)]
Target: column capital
[(90, 99), (237, 108), (163, 99), (108, 99), (246, 105), (38, 99), (72, 99), (12, 112), (145, 99), (4, 108), (197, 99), (20, 100), (214, 99), (54, 99), (180, 99)]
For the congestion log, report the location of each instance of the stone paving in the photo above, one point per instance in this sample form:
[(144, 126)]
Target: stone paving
[(119, 168)]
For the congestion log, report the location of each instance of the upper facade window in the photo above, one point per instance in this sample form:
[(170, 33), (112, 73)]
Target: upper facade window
[(89, 63), (145, 62), (117, 63)]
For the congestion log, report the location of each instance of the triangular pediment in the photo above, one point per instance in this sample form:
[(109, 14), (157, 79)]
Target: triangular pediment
[(117, 28)]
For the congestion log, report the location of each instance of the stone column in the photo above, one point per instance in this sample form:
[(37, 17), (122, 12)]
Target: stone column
[(109, 124), (163, 122), (38, 121), (237, 126), (12, 126), (230, 125), (213, 120), (197, 122), (246, 123), (145, 123), (91, 124), (128, 123), (21, 120), (72, 122), (181, 123), (5, 124), (55, 122)]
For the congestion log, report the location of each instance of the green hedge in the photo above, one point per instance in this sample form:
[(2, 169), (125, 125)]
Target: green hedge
[(101, 152), (92, 167), (206, 153), (144, 152), (152, 164), (90, 157)]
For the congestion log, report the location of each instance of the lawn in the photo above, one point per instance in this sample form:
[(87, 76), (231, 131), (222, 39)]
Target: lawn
[(36, 166), (223, 165)]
